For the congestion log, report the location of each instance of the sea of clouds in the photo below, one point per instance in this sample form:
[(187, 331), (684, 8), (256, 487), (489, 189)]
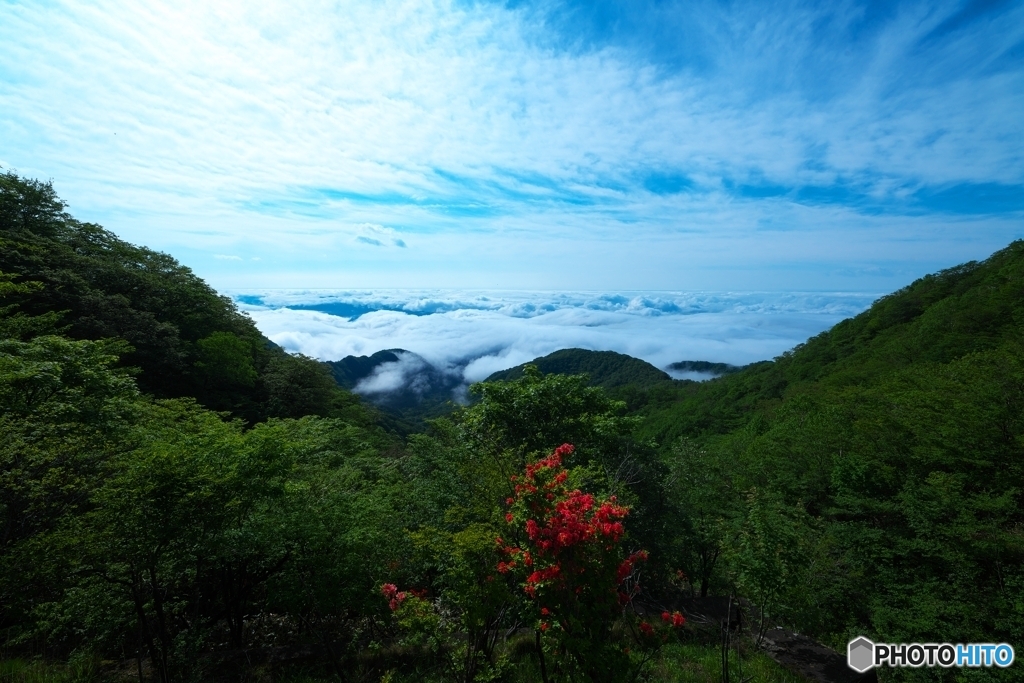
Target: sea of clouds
[(471, 334)]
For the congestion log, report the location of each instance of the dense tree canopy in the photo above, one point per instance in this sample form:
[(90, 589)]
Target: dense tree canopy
[(185, 339)]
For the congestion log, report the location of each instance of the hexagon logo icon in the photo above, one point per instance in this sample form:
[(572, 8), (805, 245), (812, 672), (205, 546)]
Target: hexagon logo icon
[(860, 654)]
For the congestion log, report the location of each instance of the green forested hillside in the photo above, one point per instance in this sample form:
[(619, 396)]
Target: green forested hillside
[(894, 443), (184, 338), (940, 318), (704, 367), (607, 369)]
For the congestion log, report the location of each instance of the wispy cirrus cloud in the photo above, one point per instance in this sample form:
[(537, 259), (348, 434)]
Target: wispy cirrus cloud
[(379, 236), (594, 144)]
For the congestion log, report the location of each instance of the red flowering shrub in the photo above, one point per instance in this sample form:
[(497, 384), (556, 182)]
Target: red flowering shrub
[(564, 549), (394, 596), (676, 619)]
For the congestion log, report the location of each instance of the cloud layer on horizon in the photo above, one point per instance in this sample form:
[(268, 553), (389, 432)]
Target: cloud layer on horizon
[(477, 333), (547, 145)]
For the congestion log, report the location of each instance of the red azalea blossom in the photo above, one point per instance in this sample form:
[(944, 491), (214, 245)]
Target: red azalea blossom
[(569, 539), (678, 620), (665, 616), (626, 568), (394, 596), (646, 628)]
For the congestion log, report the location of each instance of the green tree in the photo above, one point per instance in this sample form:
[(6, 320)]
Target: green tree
[(703, 505), (769, 554)]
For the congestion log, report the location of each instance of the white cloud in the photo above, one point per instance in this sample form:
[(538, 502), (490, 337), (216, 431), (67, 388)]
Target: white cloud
[(227, 257), (478, 333), (389, 377), (308, 126), (378, 236)]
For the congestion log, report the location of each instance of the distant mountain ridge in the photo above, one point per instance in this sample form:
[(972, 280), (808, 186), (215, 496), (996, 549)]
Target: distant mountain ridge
[(398, 377), (705, 367), (403, 384), (350, 370), (607, 369), (410, 389)]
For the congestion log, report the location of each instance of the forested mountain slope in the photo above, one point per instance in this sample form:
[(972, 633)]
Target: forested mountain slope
[(886, 456), (185, 339), (607, 369), (403, 385), (972, 308)]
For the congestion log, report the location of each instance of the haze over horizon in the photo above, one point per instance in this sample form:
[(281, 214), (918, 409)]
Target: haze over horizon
[(847, 147)]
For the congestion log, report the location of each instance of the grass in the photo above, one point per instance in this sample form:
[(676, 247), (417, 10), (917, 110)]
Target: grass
[(676, 663), (694, 663), (36, 671)]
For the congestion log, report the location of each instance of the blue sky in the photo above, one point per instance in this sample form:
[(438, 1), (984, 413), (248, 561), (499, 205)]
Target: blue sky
[(841, 146)]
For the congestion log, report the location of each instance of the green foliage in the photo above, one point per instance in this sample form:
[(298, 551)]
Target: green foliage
[(63, 409), (768, 553), (606, 369), (186, 340), (899, 433), (704, 366), (224, 359), (13, 323), (694, 663), (703, 505), (537, 413)]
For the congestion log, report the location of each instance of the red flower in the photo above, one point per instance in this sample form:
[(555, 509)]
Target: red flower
[(646, 628), (678, 620), (570, 536), (665, 616)]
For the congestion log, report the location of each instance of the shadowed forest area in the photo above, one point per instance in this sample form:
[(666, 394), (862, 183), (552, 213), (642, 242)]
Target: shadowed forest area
[(182, 500)]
